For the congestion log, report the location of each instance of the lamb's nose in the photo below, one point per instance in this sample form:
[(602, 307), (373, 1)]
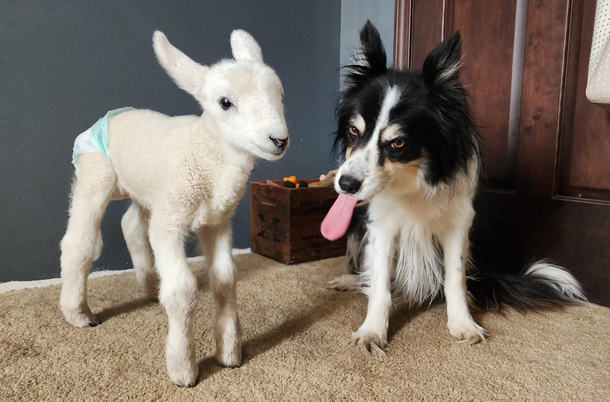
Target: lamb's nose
[(279, 142), (349, 184)]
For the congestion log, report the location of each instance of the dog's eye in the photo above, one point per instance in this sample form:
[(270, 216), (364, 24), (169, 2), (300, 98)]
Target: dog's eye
[(397, 144), (225, 104), (353, 130)]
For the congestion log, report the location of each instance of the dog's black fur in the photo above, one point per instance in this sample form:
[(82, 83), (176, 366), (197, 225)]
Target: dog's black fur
[(433, 109), (435, 121)]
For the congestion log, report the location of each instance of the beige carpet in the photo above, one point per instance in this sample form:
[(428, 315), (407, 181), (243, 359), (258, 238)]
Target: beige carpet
[(296, 347)]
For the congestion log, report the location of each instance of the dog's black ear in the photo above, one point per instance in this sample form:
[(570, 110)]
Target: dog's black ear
[(369, 59), (371, 52), (443, 64)]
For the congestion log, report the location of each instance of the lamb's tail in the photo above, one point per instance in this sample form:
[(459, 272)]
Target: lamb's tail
[(539, 286)]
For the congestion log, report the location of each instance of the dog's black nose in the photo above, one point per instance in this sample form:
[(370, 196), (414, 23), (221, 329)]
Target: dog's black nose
[(278, 142), (349, 184)]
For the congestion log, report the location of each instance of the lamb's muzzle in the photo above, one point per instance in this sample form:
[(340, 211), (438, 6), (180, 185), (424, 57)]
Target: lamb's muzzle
[(280, 143)]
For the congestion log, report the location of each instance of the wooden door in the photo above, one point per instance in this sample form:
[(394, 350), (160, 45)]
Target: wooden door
[(546, 148)]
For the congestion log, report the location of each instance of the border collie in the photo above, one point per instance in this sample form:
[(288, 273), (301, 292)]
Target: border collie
[(412, 154)]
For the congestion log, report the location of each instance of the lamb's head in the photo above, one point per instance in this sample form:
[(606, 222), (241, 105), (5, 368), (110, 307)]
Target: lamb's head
[(242, 95)]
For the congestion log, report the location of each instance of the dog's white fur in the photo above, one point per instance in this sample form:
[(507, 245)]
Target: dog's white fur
[(183, 174), (409, 221)]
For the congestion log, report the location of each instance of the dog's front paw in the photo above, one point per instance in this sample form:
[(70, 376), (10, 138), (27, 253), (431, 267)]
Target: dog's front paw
[(370, 341), (466, 331), (79, 317)]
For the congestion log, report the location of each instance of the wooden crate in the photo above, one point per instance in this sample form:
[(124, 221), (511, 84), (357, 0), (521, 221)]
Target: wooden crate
[(285, 222)]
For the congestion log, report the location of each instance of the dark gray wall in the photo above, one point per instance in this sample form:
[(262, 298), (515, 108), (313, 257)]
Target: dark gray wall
[(63, 64), (354, 14)]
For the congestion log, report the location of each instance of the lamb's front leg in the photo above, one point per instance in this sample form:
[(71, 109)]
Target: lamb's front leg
[(372, 336), (459, 321), (178, 294), (217, 244)]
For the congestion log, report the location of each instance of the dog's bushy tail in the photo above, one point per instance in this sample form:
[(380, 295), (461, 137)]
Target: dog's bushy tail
[(537, 287)]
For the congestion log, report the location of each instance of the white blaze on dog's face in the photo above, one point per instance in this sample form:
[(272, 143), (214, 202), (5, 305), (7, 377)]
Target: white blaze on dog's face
[(243, 95), (359, 175), (374, 157)]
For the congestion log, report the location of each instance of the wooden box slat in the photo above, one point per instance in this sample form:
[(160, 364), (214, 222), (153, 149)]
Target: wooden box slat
[(285, 223)]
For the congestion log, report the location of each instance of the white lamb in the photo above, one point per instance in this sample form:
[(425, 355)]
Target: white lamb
[(184, 173)]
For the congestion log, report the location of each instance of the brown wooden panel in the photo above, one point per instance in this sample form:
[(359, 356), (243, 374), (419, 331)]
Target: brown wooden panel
[(426, 31), (488, 31), (511, 231), (418, 28), (541, 219), (541, 96), (585, 134), (487, 73), (402, 34)]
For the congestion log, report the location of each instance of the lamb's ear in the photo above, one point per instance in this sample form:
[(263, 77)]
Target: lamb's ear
[(187, 74), (443, 64), (244, 47)]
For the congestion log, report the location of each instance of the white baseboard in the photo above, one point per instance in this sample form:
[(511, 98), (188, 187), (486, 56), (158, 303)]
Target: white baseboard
[(19, 285)]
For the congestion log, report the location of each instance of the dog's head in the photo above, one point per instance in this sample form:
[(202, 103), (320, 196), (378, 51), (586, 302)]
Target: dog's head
[(242, 95), (407, 127)]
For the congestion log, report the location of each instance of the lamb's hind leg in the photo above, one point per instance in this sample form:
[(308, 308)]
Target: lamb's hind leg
[(82, 243), (135, 231), (217, 244)]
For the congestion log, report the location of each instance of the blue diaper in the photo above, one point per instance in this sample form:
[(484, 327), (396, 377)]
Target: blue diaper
[(95, 139)]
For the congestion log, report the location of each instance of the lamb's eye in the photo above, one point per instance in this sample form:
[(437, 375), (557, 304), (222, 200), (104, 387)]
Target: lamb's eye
[(225, 103), (353, 130), (397, 144)]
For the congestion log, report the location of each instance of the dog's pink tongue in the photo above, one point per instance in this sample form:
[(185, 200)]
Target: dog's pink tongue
[(336, 222)]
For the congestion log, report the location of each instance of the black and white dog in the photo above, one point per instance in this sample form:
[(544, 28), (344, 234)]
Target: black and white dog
[(412, 151)]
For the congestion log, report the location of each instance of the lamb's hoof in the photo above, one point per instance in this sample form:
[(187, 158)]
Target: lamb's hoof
[(369, 341), (186, 377), (182, 367), (231, 360), (79, 317), (188, 383), (229, 364), (467, 332)]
